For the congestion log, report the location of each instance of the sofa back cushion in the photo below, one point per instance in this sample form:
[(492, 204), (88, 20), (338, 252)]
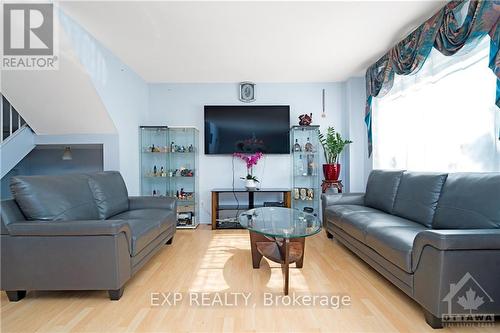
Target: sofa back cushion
[(381, 189), (110, 193), (418, 195), (469, 201), (54, 198)]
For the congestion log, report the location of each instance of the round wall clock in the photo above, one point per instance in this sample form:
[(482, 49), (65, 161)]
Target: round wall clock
[(247, 92)]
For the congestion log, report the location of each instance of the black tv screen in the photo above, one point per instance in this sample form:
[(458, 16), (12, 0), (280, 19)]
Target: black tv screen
[(247, 129)]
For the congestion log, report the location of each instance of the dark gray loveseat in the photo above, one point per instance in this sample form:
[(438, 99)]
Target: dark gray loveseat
[(434, 236), (79, 232)]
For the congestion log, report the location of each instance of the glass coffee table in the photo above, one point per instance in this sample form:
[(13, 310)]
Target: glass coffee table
[(279, 235)]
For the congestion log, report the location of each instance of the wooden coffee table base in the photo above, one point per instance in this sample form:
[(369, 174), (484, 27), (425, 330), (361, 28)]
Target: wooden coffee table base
[(283, 251)]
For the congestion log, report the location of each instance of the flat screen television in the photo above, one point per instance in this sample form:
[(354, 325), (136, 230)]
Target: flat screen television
[(247, 129)]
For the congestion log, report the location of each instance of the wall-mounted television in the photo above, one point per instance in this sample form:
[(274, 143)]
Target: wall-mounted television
[(247, 129)]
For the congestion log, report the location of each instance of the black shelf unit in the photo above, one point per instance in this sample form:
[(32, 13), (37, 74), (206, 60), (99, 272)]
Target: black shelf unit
[(241, 207)]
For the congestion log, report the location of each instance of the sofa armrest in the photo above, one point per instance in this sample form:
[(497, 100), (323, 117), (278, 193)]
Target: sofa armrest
[(342, 199), (145, 202), (70, 228), (456, 239), (9, 213)]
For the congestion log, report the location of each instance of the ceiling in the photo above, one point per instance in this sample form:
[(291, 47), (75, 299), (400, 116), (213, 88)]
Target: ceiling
[(282, 41)]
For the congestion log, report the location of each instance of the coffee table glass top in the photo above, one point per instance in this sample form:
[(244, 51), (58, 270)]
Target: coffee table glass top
[(280, 222)]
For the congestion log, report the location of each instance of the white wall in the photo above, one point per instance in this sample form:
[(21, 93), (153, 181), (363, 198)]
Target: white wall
[(182, 105), (131, 102), (358, 163), (122, 91), (61, 101)]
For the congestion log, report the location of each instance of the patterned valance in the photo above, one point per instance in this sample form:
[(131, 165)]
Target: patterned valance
[(443, 32)]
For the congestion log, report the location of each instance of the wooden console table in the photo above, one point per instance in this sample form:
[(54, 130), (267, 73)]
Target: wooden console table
[(216, 207)]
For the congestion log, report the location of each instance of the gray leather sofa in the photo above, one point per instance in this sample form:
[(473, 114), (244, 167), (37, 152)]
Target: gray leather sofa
[(435, 236), (79, 232)]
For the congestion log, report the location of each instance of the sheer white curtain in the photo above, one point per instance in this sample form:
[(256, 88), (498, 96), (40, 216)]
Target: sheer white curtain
[(442, 118)]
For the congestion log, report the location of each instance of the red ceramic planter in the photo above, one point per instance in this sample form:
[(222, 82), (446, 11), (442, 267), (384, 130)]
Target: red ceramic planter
[(331, 171)]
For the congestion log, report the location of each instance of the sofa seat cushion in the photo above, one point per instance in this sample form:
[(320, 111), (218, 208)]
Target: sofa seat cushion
[(110, 193), (356, 223), (163, 217), (394, 243), (418, 195), (146, 225), (54, 198), (338, 211)]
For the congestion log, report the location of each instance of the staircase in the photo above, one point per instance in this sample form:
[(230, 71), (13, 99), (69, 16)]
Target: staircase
[(16, 140)]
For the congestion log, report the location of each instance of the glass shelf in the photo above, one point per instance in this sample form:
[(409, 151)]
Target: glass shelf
[(306, 190), (167, 140)]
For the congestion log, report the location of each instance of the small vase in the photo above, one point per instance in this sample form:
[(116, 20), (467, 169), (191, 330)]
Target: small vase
[(331, 171), (250, 184)]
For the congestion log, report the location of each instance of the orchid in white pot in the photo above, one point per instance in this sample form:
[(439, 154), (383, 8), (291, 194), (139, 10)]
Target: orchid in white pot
[(251, 160)]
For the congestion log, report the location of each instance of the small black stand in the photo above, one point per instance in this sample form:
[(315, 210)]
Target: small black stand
[(216, 207)]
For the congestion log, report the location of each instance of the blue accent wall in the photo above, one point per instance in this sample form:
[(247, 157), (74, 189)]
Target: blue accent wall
[(48, 161)]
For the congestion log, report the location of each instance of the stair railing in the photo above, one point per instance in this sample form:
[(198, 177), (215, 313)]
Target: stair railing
[(10, 120)]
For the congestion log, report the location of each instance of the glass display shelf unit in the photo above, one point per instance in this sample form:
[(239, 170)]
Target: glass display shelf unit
[(169, 167), (305, 147)]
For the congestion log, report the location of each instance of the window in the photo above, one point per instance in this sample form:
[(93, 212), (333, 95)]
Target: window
[(443, 118)]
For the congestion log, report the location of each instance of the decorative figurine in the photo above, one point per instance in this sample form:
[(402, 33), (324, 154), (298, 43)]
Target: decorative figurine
[(296, 194), (191, 148), (310, 194), (186, 172), (305, 119), (303, 194)]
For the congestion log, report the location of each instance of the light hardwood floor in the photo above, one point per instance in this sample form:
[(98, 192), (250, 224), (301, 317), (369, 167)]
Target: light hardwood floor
[(220, 261)]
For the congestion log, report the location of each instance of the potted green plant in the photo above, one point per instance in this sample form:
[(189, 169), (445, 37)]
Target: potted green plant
[(333, 145)]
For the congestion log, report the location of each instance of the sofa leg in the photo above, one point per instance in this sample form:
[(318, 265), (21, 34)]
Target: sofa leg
[(115, 294), (15, 295), (432, 320), (328, 234), (170, 241)]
